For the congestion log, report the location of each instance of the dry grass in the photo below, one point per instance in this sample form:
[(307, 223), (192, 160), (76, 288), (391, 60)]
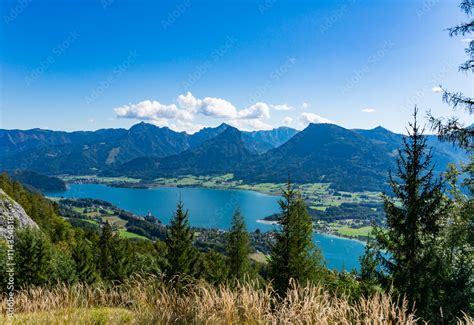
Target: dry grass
[(151, 301)]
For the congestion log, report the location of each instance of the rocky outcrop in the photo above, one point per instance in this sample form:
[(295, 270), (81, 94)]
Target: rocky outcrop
[(12, 213)]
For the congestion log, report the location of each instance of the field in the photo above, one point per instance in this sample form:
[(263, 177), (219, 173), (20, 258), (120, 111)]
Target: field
[(347, 231), (153, 301), (126, 234), (96, 215), (101, 180)]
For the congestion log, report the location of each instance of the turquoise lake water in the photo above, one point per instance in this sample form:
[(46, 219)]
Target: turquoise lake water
[(213, 208)]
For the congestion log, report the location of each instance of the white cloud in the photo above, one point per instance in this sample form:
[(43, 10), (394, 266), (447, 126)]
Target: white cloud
[(250, 125), (217, 107), (287, 120), (185, 126), (307, 118), (180, 116), (256, 111), (467, 40), (160, 122), (368, 110), (189, 102), (305, 105), (152, 111), (281, 107), (437, 89)]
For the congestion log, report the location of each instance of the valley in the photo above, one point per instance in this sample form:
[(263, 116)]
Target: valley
[(139, 212), (323, 202)]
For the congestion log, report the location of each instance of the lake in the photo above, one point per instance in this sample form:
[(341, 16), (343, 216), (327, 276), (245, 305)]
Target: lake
[(213, 208)]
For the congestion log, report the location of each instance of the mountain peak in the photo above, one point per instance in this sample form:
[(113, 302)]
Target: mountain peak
[(142, 126), (380, 128), (223, 126), (323, 126)]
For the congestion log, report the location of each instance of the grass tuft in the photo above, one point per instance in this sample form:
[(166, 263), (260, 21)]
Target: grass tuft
[(151, 300)]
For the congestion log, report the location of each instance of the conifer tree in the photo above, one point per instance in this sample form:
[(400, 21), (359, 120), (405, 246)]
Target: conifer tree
[(114, 255), (238, 248), (451, 129), (213, 267), (293, 255), (83, 257), (106, 242), (368, 274), (181, 253), (414, 219), (33, 253)]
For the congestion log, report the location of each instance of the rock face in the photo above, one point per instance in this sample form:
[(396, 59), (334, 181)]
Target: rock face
[(11, 210)]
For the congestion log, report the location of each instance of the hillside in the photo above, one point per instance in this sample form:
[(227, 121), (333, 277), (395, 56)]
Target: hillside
[(349, 159), (38, 181), (443, 152), (219, 155), (87, 152), (323, 153), (11, 213)]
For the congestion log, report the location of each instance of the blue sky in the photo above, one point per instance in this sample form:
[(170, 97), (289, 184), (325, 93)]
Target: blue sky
[(254, 64)]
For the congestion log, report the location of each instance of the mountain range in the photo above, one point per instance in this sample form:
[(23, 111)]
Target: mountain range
[(348, 159)]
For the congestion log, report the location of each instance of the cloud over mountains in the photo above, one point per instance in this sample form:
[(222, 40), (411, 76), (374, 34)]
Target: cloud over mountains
[(182, 114)]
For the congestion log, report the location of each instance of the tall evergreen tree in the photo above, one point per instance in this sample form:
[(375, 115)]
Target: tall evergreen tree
[(105, 261), (83, 256), (293, 255), (181, 253), (114, 255), (33, 252), (368, 274), (414, 219), (238, 248)]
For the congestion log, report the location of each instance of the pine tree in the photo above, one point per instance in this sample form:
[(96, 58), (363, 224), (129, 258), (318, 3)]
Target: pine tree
[(293, 255), (114, 255), (368, 274), (181, 253), (83, 256), (105, 262), (213, 267), (451, 129), (62, 265), (33, 253), (414, 219), (238, 248)]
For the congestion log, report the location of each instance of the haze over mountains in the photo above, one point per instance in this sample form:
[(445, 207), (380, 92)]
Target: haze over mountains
[(349, 159)]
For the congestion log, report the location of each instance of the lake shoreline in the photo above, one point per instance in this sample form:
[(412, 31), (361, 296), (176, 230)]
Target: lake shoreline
[(213, 209), (327, 233), (132, 185), (154, 185)]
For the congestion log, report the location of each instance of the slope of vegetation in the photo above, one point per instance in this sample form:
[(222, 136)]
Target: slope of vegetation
[(152, 300)]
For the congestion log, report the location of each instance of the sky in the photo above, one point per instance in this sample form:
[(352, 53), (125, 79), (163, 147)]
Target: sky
[(189, 64)]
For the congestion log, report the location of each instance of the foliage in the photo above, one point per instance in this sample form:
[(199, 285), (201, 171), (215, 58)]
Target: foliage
[(114, 255), (451, 129), (212, 267), (33, 253), (459, 245), (238, 248), (293, 256), (38, 181), (181, 253), (412, 250)]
